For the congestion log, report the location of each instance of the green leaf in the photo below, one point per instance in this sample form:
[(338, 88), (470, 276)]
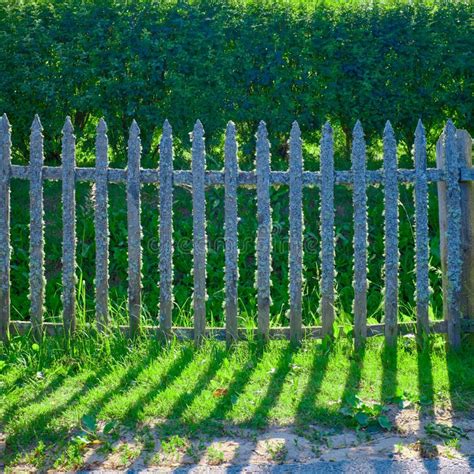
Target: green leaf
[(89, 422), (110, 426), (384, 422), (362, 418)]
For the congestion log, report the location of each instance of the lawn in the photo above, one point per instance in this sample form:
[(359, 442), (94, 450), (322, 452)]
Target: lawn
[(55, 394)]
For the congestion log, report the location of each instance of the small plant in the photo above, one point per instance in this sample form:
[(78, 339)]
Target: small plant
[(128, 454), (445, 432), (278, 451), (173, 445), (454, 443), (215, 456), (72, 458), (425, 448), (363, 415), (37, 456)]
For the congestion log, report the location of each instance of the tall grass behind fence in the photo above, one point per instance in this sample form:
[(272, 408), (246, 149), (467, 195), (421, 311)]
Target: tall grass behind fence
[(453, 175)]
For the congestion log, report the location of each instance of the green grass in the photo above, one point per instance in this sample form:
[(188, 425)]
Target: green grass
[(56, 394)]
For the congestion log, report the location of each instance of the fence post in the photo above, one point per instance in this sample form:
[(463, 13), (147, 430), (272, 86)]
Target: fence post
[(69, 227), (391, 234), (421, 232), (36, 228), (101, 228), (231, 171), (327, 231), (464, 142), (134, 229), (296, 233), (449, 197), (264, 231), (166, 229), (360, 235), (199, 231), (5, 173)]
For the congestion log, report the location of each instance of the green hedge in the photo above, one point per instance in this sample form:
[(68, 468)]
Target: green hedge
[(233, 59)]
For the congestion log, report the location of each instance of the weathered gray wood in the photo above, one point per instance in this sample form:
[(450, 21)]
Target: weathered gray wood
[(449, 197), (134, 229), (327, 230), (264, 239), (391, 234), (5, 172), (186, 333), (231, 170), (245, 178), (166, 229), (464, 142), (199, 231), (101, 228), (37, 276), (69, 227), (421, 231), (296, 233), (360, 235)]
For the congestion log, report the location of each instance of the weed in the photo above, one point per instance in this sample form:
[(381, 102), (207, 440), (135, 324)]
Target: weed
[(443, 431), (215, 456), (277, 451)]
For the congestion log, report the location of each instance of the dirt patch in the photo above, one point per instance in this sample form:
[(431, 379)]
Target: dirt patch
[(414, 435)]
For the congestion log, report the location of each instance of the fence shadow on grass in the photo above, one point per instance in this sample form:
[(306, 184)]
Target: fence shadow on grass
[(354, 375), (274, 389), (40, 427), (389, 386)]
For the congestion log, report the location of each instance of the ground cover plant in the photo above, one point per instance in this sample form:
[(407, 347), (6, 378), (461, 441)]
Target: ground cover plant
[(60, 397)]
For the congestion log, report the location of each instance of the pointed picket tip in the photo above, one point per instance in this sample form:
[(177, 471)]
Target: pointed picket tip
[(167, 130), (101, 126), (450, 128), (230, 129), (358, 131), (327, 127), (134, 129), (198, 128), (420, 129), (68, 127), (36, 125), (4, 123), (295, 130), (262, 129), (388, 129)]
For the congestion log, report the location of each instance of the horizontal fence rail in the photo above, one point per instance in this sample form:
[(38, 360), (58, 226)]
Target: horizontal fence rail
[(453, 176)]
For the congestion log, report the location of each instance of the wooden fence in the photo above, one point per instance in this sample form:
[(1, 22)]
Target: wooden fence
[(453, 174)]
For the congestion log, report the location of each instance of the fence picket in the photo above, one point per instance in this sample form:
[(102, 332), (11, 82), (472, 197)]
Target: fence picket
[(360, 235), (327, 230), (166, 229), (296, 232), (391, 234), (453, 235), (134, 228), (231, 235), (69, 227), (101, 228), (5, 173), (421, 231), (264, 238), (199, 231), (37, 277)]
